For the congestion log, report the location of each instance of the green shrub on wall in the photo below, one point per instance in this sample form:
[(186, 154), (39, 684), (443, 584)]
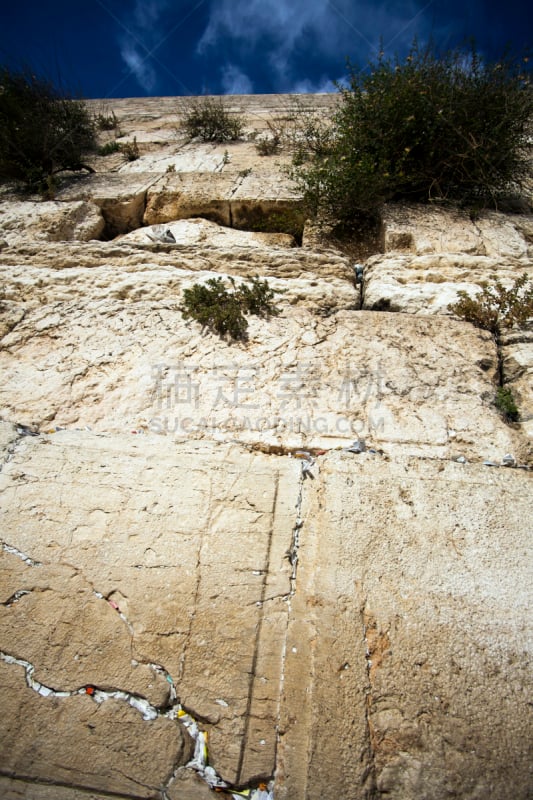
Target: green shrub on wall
[(505, 403), (42, 130), (209, 120), (432, 127), (496, 306), (223, 311)]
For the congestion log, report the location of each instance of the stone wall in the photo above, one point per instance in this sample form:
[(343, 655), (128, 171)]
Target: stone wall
[(205, 582)]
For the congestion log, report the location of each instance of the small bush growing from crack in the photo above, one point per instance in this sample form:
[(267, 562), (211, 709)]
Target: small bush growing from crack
[(223, 311), (108, 148), (495, 305), (505, 403), (432, 127), (43, 130), (271, 145), (131, 150), (105, 121), (209, 120)]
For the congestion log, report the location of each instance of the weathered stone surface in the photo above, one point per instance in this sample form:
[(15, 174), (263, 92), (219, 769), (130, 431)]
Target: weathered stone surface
[(411, 604), (431, 254), (13, 789), (189, 786), (247, 200), (422, 231), (73, 740), (517, 366), (61, 656), (189, 158), (427, 284), (182, 196), (202, 232), (118, 257), (24, 221), (155, 372), (122, 199), (154, 527), (354, 624)]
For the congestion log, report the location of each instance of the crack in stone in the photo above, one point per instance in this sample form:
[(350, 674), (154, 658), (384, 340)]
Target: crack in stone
[(372, 772), (27, 779), (15, 597), (116, 608), (253, 670), (173, 711), (292, 555), (7, 548), (22, 431), (307, 461), (14, 324)]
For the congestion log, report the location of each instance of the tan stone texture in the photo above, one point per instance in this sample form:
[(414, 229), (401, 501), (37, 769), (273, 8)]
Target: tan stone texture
[(73, 740), (153, 527), (429, 255), (191, 543), (412, 604), (15, 789)]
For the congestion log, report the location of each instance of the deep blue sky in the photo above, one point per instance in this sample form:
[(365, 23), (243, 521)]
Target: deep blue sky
[(133, 48)]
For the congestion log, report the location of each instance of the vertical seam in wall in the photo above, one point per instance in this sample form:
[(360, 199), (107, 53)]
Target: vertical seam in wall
[(188, 635), (253, 669)]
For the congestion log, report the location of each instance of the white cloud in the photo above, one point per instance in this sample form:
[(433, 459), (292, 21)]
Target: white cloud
[(142, 32), (305, 86), (279, 31), (274, 25), (138, 64), (235, 81), (147, 12)]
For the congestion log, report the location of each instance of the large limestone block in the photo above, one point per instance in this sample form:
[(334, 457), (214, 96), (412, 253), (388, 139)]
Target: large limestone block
[(76, 741), (408, 653), (267, 200), (248, 200), (188, 545), (517, 368), (423, 230), (203, 232), (121, 198), (264, 186), (196, 158), (24, 222), (182, 196), (430, 254), (427, 284), (32, 596), (159, 273), (408, 384), (119, 258)]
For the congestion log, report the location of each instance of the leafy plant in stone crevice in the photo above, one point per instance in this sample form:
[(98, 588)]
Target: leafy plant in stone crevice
[(43, 130), (491, 309), (223, 311), (433, 127), (495, 306), (105, 121), (131, 150), (109, 147), (271, 144), (505, 403), (209, 120)]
